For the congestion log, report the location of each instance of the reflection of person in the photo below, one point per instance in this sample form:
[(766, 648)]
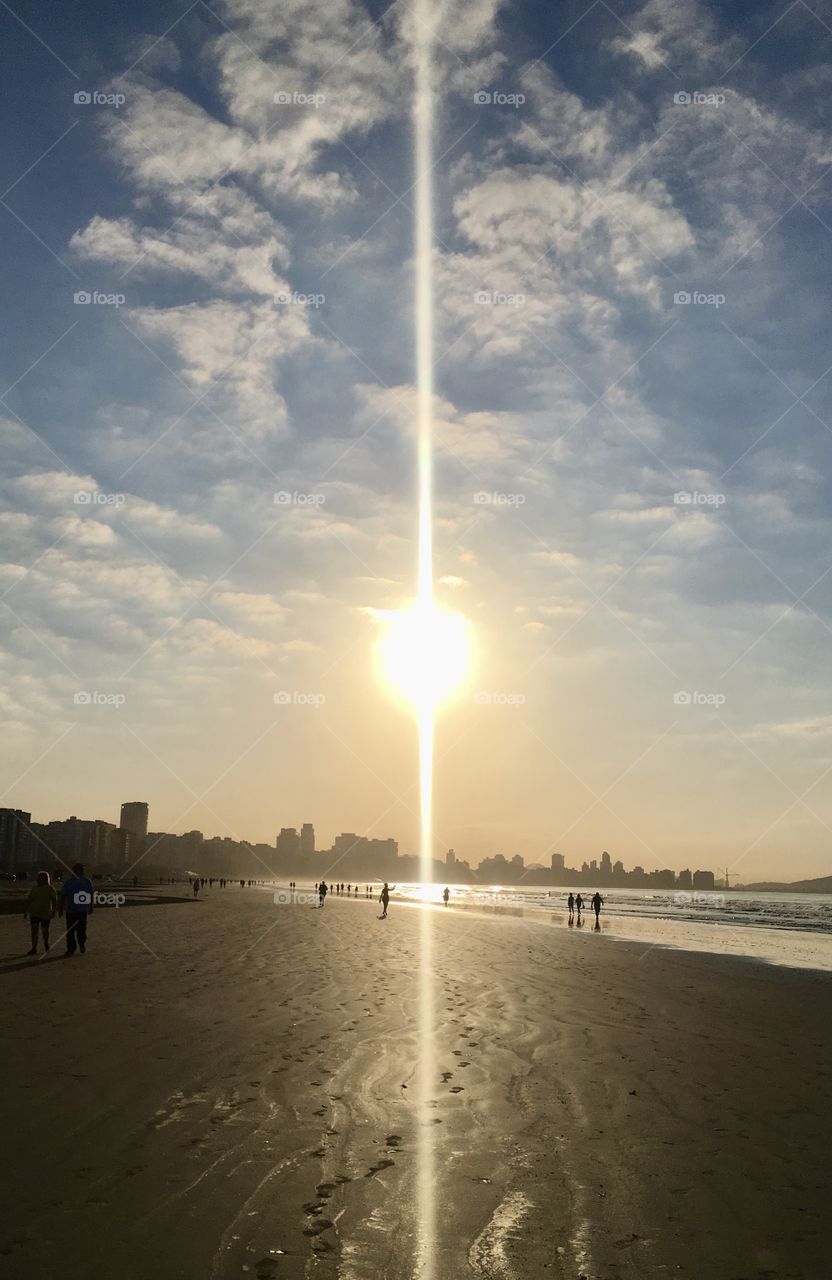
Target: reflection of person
[(41, 906), (76, 902), (445, 896)]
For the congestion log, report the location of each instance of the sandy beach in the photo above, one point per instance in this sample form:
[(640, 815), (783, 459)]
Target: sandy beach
[(226, 1087)]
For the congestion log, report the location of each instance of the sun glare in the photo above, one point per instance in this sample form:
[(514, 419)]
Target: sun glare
[(424, 651)]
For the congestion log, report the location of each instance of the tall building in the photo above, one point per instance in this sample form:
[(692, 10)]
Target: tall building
[(450, 859), (558, 863), (307, 838), (17, 843), (606, 864), (288, 842), (703, 879), (134, 815)]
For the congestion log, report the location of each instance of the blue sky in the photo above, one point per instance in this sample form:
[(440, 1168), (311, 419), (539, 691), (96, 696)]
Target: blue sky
[(632, 270)]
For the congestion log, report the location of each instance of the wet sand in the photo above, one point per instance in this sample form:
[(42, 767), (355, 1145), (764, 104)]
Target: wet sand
[(229, 1088)]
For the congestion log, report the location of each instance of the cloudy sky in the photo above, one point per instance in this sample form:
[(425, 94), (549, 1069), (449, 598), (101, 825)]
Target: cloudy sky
[(208, 476)]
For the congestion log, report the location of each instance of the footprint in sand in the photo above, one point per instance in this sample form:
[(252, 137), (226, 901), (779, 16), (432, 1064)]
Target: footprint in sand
[(446, 1076), (323, 1224), (378, 1166), (393, 1139), (266, 1268), (457, 1088)]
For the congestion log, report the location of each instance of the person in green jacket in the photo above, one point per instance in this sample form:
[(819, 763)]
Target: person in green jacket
[(41, 906)]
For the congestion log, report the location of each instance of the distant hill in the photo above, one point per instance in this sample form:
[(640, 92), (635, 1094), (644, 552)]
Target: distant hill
[(821, 885)]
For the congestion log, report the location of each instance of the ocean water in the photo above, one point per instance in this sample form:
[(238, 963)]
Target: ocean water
[(781, 928)]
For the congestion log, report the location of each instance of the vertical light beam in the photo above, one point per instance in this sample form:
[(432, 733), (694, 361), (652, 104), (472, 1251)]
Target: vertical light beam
[(423, 146)]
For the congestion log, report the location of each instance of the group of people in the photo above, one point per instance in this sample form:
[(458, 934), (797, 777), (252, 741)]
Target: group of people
[(576, 903), (74, 904), (323, 889), (350, 890)]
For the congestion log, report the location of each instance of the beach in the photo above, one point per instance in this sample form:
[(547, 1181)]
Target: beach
[(229, 1087)]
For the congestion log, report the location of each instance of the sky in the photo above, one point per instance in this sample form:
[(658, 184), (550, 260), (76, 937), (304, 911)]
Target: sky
[(208, 478)]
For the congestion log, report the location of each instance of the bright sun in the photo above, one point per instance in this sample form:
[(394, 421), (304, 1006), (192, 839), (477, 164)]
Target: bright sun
[(424, 651)]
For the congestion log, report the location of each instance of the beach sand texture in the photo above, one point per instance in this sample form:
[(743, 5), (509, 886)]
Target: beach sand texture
[(228, 1088)]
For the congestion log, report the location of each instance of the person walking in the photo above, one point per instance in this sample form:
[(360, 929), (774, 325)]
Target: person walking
[(570, 902), (597, 903), (323, 890), (76, 902), (384, 899), (41, 906), (446, 895)]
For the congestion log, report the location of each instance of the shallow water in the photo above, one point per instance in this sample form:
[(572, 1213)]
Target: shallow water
[(791, 929)]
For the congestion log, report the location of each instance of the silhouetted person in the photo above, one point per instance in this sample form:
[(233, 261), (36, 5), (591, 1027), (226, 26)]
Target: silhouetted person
[(570, 902), (41, 906), (323, 890), (579, 904), (445, 896), (384, 899), (76, 902), (196, 887), (597, 903)]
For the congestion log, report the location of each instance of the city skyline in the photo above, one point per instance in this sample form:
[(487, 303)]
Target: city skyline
[(130, 843)]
